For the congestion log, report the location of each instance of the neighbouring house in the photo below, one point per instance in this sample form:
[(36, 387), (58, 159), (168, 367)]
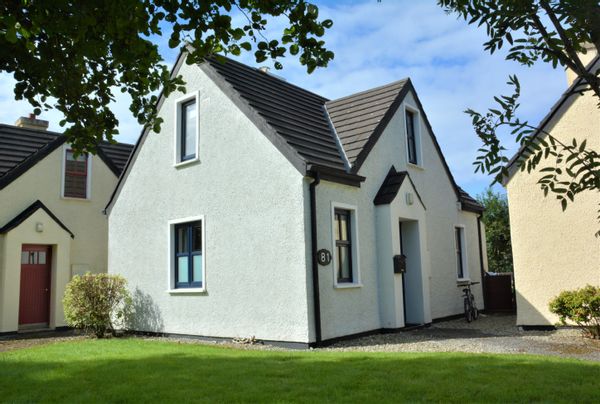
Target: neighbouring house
[(51, 220), (555, 250), (262, 209)]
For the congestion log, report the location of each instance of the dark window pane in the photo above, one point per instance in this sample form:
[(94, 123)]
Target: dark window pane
[(459, 253), (197, 236), (182, 239), (411, 137)]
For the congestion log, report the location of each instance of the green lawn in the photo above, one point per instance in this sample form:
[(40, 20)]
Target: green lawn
[(139, 370)]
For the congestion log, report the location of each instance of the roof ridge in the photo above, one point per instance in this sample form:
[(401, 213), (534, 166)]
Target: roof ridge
[(403, 81), (271, 76)]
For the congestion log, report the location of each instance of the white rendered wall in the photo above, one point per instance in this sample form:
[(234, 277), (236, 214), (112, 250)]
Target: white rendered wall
[(253, 203), (354, 310)]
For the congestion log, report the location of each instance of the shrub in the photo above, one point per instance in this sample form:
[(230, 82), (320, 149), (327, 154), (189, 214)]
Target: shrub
[(96, 303), (581, 307)]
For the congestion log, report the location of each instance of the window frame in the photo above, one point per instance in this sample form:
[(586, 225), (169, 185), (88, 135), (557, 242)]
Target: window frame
[(408, 109), (88, 173), (191, 287), (179, 141), (353, 242), (459, 230)]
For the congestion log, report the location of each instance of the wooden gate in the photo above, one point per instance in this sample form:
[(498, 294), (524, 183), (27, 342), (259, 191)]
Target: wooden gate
[(34, 297), (499, 293)]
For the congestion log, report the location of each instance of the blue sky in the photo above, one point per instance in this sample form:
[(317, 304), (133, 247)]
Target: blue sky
[(377, 43)]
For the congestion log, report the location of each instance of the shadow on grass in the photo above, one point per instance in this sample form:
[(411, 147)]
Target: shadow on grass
[(136, 370)]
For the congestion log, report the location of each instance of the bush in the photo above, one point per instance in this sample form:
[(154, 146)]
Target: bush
[(581, 307), (96, 303)]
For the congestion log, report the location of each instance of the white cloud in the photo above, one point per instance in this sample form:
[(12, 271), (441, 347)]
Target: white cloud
[(377, 43)]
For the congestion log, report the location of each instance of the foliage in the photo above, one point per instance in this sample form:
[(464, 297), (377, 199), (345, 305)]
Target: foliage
[(73, 55), (580, 306), (137, 370), (555, 32), (497, 231), (96, 303)]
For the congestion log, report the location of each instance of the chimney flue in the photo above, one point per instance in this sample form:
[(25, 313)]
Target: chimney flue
[(31, 122), (586, 58)]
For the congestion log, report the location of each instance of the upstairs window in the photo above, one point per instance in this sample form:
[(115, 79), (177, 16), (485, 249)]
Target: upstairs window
[(343, 246), (189, 271), (411, 137), (75, 183), (187, 130)]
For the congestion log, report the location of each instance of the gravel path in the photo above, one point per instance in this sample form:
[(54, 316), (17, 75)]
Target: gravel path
[(489, 334)]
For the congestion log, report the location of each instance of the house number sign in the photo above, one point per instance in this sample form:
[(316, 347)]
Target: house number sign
[(323, 257)]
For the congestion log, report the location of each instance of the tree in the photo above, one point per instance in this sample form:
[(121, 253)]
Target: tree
[(553, 31), (73, 55), (497, 231)]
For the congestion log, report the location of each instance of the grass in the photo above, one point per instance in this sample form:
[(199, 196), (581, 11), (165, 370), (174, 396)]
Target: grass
[(132, 370)]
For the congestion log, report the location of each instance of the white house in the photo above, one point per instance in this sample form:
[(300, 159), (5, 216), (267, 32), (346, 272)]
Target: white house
[(262, 209), (51, 221)]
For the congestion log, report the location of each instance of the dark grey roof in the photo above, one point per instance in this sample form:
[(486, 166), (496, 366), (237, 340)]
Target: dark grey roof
[(303, 126), (357, 117), (297, 115), (117, 155), (30, 210), (21, 149), (391, 185), (468, 202), (16, 144)]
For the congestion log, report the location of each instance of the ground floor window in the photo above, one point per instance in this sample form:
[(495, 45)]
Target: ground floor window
[(188, 253), (345, 245), (461, 261)]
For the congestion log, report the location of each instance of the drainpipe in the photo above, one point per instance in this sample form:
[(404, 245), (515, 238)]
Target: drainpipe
[(315, 263), (482, 269)]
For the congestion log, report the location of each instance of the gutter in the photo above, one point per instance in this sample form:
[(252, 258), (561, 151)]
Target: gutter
[(482, 269), (315, 263)]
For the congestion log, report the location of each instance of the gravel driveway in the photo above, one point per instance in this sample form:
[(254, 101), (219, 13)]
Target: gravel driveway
[(489, 334)]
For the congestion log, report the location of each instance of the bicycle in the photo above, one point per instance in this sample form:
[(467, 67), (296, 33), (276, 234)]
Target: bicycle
[(471, 312)]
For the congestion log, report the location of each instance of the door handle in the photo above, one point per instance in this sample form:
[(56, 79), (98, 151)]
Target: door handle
[(46, 289)]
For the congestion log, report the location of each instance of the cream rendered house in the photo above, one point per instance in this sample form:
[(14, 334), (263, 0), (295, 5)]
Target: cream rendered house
[(555, 250), (262, 209), (51, 220)]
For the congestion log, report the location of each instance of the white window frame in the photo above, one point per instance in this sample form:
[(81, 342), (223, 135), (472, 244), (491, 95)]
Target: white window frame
[(465, 260), (418, 147), (88, 185), (177, 135), (171, 262), (356, 279)]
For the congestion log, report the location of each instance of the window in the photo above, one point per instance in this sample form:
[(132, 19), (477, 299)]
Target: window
[(343, 246), (188, 132), (411, 137), (188, 260), (459, 241), (75, 183)]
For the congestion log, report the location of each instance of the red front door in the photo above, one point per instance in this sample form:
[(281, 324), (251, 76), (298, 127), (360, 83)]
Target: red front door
[(34, 300)]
